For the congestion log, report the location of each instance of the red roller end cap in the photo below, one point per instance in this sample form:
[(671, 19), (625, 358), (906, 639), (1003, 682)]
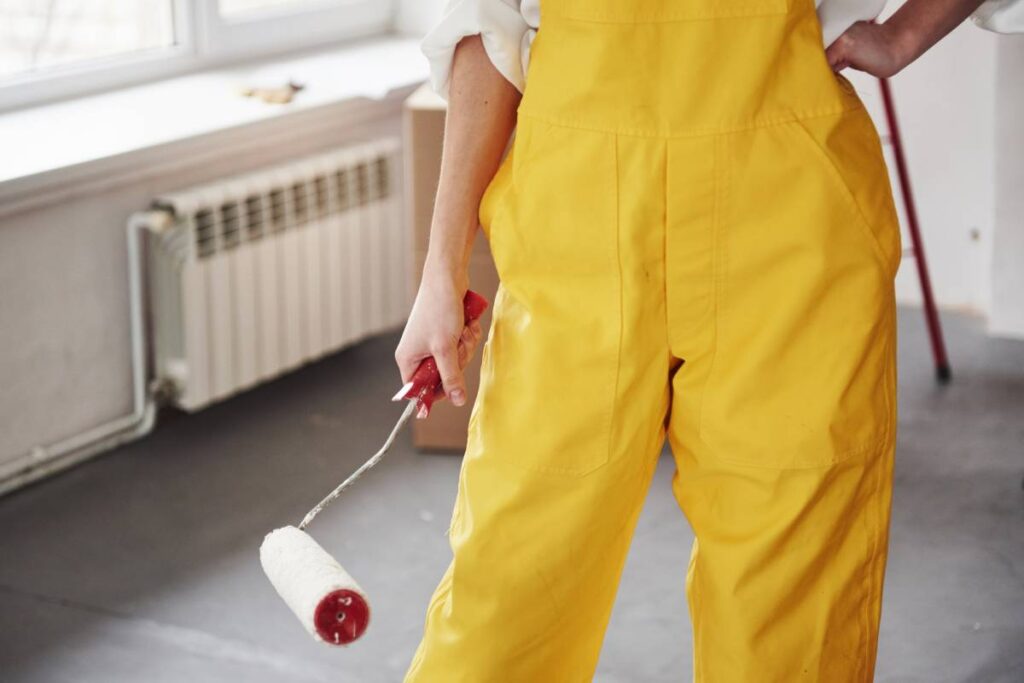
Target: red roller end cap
[(341, 617)]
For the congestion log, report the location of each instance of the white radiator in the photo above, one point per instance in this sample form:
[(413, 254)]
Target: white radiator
[(258, 274)]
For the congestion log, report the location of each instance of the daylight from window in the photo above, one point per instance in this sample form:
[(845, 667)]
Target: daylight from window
[(236, 8), (37, 35)]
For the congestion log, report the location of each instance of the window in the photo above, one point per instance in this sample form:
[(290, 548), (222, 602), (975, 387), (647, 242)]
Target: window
[(53, 49), (36, 35), (236, 8)]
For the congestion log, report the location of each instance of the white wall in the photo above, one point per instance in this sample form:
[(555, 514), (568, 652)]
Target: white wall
[(1007, 292), (415, 17)]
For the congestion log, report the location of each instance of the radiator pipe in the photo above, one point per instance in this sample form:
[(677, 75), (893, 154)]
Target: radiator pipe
[(44, 460)]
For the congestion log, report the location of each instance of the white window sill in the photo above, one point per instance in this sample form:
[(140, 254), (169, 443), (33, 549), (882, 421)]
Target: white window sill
[(52, 147)]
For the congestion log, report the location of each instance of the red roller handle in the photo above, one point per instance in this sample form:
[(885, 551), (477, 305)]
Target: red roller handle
[(425, 385)]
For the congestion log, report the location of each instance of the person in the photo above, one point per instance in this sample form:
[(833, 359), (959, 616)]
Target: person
[(696, 240)]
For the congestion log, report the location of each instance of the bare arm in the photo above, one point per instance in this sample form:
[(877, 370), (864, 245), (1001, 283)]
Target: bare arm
[(481, 115), (885, 49)]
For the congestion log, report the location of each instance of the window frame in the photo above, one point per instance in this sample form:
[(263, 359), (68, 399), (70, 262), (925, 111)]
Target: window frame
[(203, 40)]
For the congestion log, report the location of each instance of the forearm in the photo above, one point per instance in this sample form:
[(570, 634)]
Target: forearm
[(481, 116), (919, 24)]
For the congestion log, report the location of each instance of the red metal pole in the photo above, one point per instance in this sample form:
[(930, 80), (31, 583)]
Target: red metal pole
[(942, 369)]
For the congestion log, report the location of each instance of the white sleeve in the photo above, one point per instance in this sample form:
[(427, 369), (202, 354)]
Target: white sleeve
[(1001, 16), (501, 27)]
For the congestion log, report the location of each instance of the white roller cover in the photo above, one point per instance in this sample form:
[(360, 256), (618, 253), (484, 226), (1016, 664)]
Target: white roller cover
[(327, 601)]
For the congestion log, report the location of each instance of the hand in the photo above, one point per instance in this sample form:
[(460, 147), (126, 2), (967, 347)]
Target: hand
[(436, 328), (866, 46)]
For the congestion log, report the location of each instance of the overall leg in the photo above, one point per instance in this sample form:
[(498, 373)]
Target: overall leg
[(566, 430), (783, 415)]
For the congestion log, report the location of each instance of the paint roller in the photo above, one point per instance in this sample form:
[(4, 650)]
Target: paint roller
[(328, 602)]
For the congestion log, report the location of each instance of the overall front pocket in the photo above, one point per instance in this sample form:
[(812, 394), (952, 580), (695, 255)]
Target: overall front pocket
[(548, 382), (802, 369)]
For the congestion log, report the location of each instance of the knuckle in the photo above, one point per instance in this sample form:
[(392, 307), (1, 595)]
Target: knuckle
[(443, 351)]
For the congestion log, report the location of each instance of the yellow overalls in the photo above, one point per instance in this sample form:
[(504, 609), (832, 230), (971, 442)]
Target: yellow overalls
[(696, 238)]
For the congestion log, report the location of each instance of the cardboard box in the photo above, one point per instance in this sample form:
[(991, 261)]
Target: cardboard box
[(424, 117)]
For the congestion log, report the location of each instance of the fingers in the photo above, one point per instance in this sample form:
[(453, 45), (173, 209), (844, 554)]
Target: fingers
[(451, 358), (447, 358), (471, 336), (451, 361), (465, 349), (836, 54)]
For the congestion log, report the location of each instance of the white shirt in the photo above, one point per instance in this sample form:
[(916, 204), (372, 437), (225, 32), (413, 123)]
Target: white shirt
[(507, 28)]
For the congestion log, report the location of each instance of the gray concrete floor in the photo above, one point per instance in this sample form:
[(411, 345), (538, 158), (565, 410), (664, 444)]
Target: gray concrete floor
[(142, 565)]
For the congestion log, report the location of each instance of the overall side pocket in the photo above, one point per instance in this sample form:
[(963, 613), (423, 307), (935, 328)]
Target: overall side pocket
[(849, 153)]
